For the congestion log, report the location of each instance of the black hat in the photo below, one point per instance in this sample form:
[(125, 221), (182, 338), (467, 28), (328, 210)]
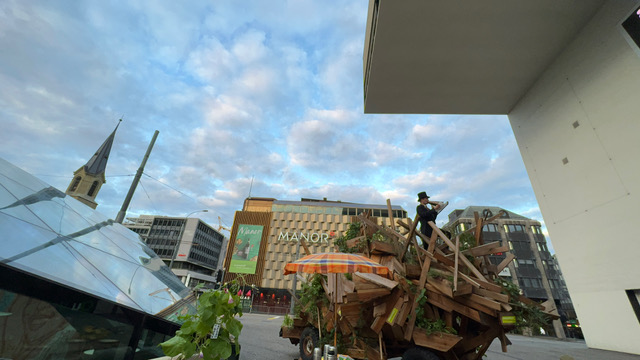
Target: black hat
[(422, 195)]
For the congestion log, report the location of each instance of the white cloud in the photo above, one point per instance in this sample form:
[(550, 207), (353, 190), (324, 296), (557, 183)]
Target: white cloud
[(269, 91)]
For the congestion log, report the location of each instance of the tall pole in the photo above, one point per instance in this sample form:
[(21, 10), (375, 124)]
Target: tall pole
[(184, 224), (136, 179), (295, 284)]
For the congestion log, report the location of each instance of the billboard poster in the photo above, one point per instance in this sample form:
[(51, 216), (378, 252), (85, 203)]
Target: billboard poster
[(246, 249)]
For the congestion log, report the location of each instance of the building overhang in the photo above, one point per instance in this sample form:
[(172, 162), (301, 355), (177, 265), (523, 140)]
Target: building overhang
[(463, 57)]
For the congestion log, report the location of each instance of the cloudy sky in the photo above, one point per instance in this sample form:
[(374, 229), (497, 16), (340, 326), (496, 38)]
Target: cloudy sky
[(250, 98)]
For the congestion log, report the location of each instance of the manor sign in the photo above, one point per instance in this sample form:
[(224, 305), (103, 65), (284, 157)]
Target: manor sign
[(314, 238)]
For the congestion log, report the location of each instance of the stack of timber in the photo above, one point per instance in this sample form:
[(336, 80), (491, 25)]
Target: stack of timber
[(436, 297)]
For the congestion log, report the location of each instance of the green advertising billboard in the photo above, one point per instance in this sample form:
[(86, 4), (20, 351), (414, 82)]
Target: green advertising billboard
[(244, 258)]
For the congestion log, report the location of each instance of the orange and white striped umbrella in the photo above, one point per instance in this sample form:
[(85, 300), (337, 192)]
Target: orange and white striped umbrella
[(336, 263)]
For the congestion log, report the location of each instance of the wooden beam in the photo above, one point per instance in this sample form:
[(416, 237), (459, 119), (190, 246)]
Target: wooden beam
[(504, 263), (448, 304), (472, 229), (485, 249), (412, 233), (370, 294), (423, 280), (492, 294), (390, 210), (455, 267), (304, 245), (437, 341), (478, 232), (464, 260), (379, 247), (471, 343), (377, 279)]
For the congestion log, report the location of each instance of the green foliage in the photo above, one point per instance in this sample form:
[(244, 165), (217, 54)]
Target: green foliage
[(423, 322), (311, 293), (411, 256), (287, 321), (380, 236), (433, 273), (527, 316), (467, 241), (352, 232), (216, 309)]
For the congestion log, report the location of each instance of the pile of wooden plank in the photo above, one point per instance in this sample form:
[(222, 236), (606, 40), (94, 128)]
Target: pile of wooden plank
[(437, 296)]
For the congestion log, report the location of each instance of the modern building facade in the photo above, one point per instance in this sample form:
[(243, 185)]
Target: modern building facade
[(567, 75), (534, 269), (193, 245), (266, 235)]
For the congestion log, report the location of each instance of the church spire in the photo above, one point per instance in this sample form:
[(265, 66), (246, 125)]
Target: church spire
[(88, 179), (98, 162)]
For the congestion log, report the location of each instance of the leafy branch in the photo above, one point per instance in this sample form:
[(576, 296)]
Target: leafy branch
[(213, 330)]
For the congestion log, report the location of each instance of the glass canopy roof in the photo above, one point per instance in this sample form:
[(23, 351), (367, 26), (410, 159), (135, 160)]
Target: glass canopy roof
[(54, 236)]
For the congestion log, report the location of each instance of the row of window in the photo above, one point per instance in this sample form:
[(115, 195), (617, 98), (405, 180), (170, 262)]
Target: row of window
[(204, 229), (530, 282), (529, 263), (515, 228), (160, 242), (333, 210), (155, 232), (162, 252), (546, 264), (168, 222), (209, 260)]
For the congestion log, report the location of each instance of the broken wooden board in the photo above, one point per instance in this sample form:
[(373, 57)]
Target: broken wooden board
[(376, 279), (438, 341)]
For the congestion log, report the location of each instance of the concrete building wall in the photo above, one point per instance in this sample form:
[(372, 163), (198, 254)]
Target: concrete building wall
[(578, 131)]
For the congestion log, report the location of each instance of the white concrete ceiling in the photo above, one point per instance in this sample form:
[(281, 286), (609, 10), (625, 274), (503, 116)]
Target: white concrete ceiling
[(463, 56)]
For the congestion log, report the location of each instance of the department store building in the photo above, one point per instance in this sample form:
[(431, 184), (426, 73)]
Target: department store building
[(266, 235)]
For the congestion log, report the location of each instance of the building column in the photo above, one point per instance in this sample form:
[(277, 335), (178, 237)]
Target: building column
[(557, 324)]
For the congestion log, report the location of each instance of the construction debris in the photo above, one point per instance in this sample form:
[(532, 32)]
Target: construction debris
[(446, 297)]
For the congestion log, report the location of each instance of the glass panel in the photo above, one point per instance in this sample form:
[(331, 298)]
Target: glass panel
[(22, 214), (56, 237), (19, 236)]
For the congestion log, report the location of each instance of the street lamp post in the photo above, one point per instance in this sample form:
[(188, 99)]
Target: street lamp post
[(184, 224)]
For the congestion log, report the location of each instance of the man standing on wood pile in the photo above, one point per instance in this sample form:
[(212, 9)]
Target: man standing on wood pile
[(427, 214)]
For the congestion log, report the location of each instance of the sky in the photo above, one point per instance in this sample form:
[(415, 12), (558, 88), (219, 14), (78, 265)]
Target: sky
[(250, 98)]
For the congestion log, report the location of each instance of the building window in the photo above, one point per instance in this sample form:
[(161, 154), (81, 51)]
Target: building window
[(490, 228), (75, 184), (536, 229), (542, 247), (93, 188), (513, 228)]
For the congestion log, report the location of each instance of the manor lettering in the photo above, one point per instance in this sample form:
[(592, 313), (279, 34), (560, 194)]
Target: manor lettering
[(307, 237)]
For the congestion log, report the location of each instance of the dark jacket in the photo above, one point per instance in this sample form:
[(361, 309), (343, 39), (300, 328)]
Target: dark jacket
[(426, 215)]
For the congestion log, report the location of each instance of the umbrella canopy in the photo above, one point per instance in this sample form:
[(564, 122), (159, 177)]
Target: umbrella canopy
[(327, 263)]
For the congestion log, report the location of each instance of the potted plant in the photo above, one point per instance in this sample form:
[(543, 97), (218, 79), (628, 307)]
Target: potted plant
[(212, 332)]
